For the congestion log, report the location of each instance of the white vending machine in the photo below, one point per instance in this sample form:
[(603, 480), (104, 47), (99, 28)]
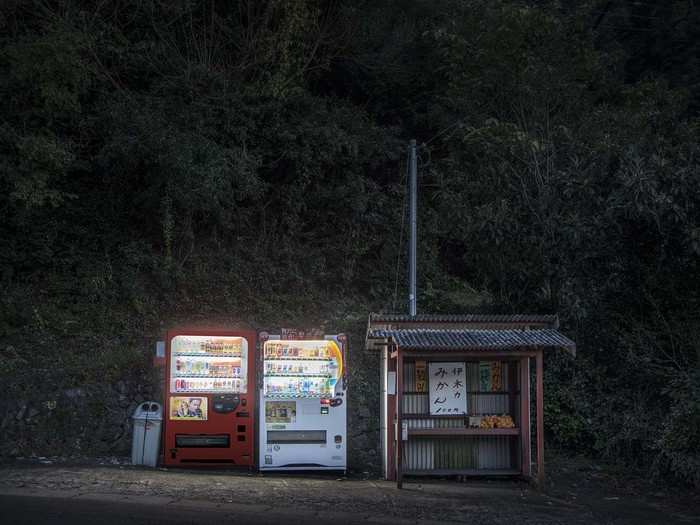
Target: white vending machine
[(303, 402)]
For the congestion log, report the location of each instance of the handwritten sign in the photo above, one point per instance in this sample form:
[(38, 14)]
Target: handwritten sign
[(496, 376), (421, 383), (448, 391), (485, 376), (491, 376)]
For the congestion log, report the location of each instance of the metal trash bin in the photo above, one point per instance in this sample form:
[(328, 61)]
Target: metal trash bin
[(148, 419)]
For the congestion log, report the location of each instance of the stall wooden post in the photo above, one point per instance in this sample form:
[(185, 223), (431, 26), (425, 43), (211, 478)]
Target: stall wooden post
[(391, 420), (512, 407), (399, 418), (540, 418), (525, 454)]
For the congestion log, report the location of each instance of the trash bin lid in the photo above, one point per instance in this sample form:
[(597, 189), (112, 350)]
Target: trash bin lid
[(148, 410)]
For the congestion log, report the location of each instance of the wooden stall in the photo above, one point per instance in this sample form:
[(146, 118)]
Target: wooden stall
[(456, 392)]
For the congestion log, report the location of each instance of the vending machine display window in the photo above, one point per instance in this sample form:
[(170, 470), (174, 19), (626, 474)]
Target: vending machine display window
[(301, 369), (209, 365)]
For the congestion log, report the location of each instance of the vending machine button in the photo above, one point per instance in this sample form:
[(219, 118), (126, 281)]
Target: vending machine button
[(338, 438)]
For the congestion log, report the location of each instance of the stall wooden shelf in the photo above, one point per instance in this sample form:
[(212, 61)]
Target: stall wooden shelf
[(463, 472), (439, 432)]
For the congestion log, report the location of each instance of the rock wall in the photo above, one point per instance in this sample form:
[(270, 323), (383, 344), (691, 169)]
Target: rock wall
[(94, 419)]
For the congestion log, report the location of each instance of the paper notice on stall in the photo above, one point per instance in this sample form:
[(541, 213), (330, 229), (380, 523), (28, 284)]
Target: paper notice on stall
[(485, 376), (448, 391), (391, 383), (491, 376), (421, 382), (496, 376)]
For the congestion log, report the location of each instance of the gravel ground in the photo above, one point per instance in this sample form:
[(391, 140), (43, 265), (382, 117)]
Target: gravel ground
[(352, 500)]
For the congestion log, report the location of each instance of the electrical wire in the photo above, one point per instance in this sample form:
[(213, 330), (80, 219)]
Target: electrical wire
[(439, 133)]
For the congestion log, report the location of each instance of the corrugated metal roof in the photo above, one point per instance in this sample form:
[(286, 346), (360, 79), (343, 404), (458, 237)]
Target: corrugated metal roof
[(463, 339), (463, 318)]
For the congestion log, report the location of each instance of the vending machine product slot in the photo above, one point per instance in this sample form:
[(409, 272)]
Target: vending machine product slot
[(278, 437), (203, 441)]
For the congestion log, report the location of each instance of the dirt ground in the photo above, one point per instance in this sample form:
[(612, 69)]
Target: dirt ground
[(576, 492)]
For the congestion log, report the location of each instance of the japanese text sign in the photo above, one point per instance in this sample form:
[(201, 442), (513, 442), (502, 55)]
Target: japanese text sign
[(421, 383), (448, 391)]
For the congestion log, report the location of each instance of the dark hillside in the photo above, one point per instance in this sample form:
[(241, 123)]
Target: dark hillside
[(244, 162)]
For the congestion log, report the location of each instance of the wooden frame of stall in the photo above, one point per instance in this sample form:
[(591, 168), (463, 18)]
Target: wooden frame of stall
[(521, 433), (395, 435)]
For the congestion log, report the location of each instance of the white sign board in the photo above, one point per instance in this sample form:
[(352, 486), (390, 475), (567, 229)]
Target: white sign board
[(391, 383), (448, 390)]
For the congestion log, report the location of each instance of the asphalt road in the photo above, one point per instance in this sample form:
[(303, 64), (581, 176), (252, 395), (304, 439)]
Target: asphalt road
[(55, 510), (65, 494)]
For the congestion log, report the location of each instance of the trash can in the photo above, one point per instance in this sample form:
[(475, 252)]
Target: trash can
[(148, 418)]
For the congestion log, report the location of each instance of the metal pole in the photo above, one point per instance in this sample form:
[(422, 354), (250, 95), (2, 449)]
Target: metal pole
[(412, 244)]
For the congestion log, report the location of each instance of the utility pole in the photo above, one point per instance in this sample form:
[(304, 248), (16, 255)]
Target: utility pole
[(413, 188)]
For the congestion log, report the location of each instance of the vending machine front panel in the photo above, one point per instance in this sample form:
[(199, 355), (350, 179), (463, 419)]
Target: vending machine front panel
[(303, 404), (210, 398)]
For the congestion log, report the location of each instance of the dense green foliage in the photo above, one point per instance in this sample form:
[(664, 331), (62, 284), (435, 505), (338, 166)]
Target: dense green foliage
[(244, 161)]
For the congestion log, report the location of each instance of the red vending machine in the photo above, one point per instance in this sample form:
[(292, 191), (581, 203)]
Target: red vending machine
[(209, 398)]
